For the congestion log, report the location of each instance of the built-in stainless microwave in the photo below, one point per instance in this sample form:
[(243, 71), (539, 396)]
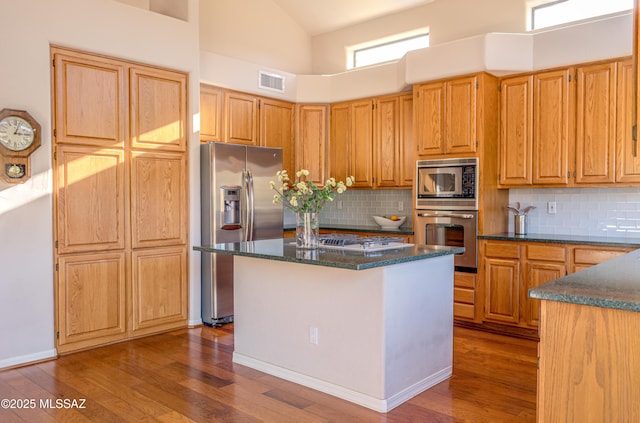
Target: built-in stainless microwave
[(447, 184)]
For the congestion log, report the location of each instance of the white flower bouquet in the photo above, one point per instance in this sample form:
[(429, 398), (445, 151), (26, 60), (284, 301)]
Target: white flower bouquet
[(303, 196)]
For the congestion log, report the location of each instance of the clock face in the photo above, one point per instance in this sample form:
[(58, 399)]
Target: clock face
[(16, 133)]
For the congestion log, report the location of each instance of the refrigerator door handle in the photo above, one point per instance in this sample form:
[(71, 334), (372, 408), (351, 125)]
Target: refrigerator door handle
[(250, 206), (245, 183)]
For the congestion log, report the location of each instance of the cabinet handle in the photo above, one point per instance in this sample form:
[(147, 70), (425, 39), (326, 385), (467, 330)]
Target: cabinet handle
[(634, 142)]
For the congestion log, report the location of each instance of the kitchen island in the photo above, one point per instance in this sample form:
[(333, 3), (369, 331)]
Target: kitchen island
[(372, 328), (589, 352)]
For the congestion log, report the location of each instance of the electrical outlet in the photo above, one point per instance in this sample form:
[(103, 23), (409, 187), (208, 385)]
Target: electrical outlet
[(551, 207), (400, 206), (313, 335)]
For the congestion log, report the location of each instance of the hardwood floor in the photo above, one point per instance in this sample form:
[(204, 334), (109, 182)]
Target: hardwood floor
[(187, 375)]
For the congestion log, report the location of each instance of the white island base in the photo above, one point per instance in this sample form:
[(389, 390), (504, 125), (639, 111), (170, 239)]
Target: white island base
[(375, 337)]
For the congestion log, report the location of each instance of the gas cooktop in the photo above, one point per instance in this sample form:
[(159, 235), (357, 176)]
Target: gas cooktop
[(358, 243)]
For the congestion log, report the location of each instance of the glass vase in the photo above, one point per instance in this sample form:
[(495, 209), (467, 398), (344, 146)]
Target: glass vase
[(307, 230)]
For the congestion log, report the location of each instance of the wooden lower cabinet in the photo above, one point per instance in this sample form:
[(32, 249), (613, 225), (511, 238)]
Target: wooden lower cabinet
[(509, 269), (91, 298), (464, 296), (501, 268), (159, 288)]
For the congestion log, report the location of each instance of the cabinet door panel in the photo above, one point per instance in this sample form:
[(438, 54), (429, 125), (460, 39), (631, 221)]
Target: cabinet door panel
[(361, 151), (311, 141), (429, 118), (627, 160), (90, 199), (596, 130), (159, 293), (158, 199), (158, 109), (90, 100), (407, 141), (241, 118), (516, 131), (387, 145), (538, 273), (502, 294), (276, 130), (460, 124), (91, 299), (339, 141), (211, 99), (551, 120)]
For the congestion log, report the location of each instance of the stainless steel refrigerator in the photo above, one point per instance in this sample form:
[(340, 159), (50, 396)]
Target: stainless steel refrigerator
[(237, 205)]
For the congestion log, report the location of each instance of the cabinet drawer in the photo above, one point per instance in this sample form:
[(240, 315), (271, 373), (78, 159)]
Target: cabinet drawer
[(596, 256), (502, 250), (464, 280), (546, 253), (466, 311), (461, 295)]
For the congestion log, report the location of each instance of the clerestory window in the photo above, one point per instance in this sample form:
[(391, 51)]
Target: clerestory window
[(557, 12), (388, 51)]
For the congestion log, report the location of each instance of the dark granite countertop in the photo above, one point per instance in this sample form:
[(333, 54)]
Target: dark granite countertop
[(613, 284), (359, 228), (566, 239), (285, 250)]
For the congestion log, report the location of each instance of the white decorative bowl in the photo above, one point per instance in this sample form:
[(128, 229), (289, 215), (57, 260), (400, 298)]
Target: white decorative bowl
[(388, 223)]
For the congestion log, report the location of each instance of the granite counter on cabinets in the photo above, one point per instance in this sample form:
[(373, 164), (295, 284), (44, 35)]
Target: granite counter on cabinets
[(566, 239), (285, 250)]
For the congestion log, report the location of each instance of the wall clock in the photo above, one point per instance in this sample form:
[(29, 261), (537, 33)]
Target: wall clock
[(19, 137)]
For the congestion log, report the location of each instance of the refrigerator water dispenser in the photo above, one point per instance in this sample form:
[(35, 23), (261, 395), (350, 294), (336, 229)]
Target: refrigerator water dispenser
[(230, 197)]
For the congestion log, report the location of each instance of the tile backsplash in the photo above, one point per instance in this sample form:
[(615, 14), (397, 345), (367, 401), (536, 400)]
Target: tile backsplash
[(582, 211), (358, 207)]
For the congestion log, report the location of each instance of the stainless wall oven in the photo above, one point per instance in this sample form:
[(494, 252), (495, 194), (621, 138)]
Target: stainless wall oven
[(447, 207), (451, 228)]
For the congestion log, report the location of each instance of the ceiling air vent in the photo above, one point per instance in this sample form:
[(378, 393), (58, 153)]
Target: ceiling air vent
[(271, 81)]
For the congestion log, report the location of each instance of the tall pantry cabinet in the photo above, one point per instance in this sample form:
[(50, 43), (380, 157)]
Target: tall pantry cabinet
[(120, 202)]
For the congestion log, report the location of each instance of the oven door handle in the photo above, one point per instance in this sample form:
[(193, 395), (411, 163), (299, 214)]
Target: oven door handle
[(453, 215)]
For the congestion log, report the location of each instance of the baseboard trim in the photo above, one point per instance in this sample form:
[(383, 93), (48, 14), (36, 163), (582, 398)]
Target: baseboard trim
[(28, 359), (376, 404)]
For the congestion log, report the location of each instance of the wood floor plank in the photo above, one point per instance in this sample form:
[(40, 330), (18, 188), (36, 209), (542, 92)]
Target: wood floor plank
[(188, 376)]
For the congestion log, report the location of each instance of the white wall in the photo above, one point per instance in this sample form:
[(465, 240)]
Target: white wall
[(471, 17), (256, 31), (26, 229)]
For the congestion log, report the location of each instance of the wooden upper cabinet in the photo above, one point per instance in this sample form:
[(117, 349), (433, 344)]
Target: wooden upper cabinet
[(552, 127), (387, 142), (91, 202), (595, 123), (393, 150), (429, 118), (339, 141), (241, 118), (158, 109), (460, 121), (361, 145), (158, 199), (79, 119), (627, 161), (407, 141), (311, 140), (516, 146), (351, 152), (211, 103), (159, 288), (276, 130)]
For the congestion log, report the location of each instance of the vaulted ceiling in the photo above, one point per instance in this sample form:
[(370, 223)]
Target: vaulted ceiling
[(320, 16)]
